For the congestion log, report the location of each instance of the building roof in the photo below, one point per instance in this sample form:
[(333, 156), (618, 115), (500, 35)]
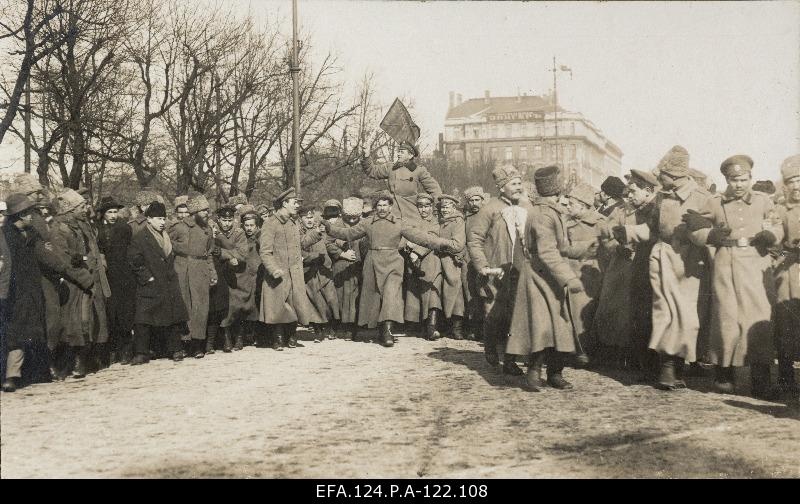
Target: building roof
[(501, 105)]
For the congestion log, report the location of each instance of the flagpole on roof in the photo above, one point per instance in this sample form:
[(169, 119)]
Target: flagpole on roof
[(294, 68)]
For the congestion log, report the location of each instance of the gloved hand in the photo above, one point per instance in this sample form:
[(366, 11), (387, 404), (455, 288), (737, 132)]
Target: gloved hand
[(694, 221), (620, 234), (574, 286), (764, 239), (76, 261), (717, 234)]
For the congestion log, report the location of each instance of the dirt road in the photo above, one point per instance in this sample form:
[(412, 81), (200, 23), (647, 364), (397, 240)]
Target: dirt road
[(344, 409)]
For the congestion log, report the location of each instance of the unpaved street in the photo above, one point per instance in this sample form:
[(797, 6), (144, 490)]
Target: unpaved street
[(344, 409)]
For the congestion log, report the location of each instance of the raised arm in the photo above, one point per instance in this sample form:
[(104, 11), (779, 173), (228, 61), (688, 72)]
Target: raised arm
[(374, 170)]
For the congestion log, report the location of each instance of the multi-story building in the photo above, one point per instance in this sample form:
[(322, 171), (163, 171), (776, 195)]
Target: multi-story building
[(522, 130)]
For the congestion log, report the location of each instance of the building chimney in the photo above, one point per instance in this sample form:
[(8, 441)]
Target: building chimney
[(458, 99), (486, 97), (451, 99)]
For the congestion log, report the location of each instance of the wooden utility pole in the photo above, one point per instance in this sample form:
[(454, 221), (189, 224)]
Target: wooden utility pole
[(294, 68), (28, 125)]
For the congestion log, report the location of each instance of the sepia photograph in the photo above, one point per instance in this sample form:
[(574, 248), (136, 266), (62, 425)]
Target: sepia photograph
[(399, 249)]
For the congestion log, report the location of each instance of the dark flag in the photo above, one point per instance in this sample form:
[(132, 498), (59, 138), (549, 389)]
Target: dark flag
[(397, 123)]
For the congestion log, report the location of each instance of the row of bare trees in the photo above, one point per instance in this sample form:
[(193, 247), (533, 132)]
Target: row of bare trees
[(179, 96)]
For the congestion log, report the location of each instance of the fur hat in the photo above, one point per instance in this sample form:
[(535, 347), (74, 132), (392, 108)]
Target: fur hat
[(198, 204), (675, 162), (69, 200), (352, 207), (548, 181), (613, 186), (25, 183), (503, 174), (764, 186), (790, 168), (424, 197), (156, 209), (237, 199), (180, 201), (473, 191)]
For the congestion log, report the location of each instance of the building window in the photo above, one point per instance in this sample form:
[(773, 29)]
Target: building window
[(495, 155), (572, 128), (494, 130), (509, 130), (537, 151), (572, 152), (523, 153), (476, 132), (476, 155), (509, 155), (538, 130)]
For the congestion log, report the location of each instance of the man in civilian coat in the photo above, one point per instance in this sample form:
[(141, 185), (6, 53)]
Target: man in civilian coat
[(160, 312)]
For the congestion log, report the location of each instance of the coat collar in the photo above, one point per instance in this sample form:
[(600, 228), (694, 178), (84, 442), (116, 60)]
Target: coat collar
[(283, 217), (411, 165), (728, 196), (389, 218), (152, 239), (684, 191)]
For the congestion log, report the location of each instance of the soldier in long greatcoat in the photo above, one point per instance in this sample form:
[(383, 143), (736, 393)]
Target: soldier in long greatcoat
[(474, 197), (423, 292), (348, 261), (583, 226), (284, 300), (541, 326), (454, 265), (242, 308), (230, 249), (383, 266), (193, 242), (742, 225), (787, 279), (318, 274), (678, 271)]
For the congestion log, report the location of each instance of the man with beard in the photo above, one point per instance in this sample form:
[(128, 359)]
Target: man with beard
[(541, 325), (787, 309), (193, 243), (160, 312), (454, 265), (284, 301), (743, 226), (242, 308), (474, 200), (622, 321), (230, 249), (84, 323), (347, 258), (423, 300), (678, 271), (583, 226), (382, 285), (114, 238), (495, 249), (318, 274), (404, 178)]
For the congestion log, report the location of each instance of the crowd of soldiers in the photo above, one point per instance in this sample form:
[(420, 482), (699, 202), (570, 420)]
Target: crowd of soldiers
[(653, 274)]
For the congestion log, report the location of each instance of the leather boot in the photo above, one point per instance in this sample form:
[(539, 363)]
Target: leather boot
[(490, 346), (10, 385), (761, 386), (510, 368), (680, 366), (533, 378), (277, 337), (81, 365), (227, 344), (291, 336), (211, 338), (724, 380), (555, 367), (666, 374), (786, 380), (238, 331), (386, 336), (431, 331), (457, 331), (197, 348)]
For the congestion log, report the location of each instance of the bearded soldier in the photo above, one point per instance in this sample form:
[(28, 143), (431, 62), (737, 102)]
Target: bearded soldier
[(493, 242), (742, 225)]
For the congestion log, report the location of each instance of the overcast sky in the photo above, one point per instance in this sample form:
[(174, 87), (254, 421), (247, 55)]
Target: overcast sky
[(717, 78)]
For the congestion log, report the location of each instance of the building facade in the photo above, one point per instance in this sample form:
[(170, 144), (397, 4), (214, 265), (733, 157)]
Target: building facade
[(522, 130)]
